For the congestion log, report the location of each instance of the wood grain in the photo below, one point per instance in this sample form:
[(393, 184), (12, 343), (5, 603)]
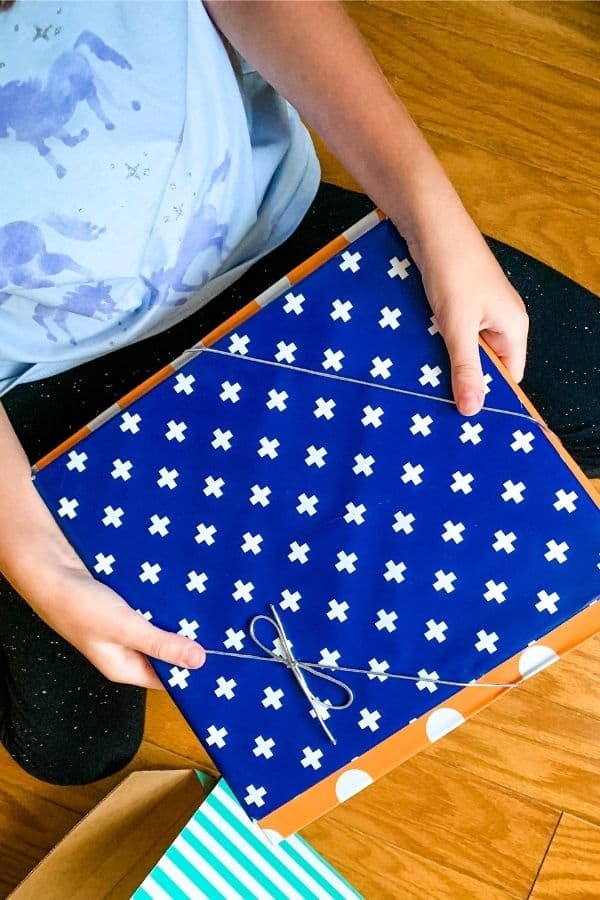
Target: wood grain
[(571, 868)]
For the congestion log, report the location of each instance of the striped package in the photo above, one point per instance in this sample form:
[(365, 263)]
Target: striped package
[(222, 853)]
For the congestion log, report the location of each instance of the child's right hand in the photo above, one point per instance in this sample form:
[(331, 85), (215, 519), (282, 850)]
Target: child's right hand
[(114, 638)]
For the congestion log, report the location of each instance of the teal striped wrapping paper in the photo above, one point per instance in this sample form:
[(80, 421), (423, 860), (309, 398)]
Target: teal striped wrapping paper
[(221, 853)]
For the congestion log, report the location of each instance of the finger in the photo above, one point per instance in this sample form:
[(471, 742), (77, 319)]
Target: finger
[(467, 376), (510, 345), (139, 634)]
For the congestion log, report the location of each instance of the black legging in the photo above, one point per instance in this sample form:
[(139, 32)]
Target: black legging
[(61, 719)]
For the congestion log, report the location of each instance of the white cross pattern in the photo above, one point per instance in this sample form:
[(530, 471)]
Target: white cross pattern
[(239, 344), (277, 400), (234, 640), (453, 531), (377, 669), (230, 392), (389, 318), (565, 500), (386, 620), (183, 383), (487, 641), (122, 469), (471, 433), (205, 534), (130, 422), (487, 380), (350, 261), (260, 495), (196, 581), (340, 309), (179, 677), (272, 698), (346, 562), (188, 629), (363, 464), (216, 736), (168, 478), (251, 543), (420, 425), (513, 491), (495, 591), (369, 719), (381, 367), (221, 439), (332, 359), (329, 658), (104, 563), (399, 268), (214, 486), (286, 353), (145, 615), (268, 447), (436, 631), (462, 482), (298, 552), (444, 581), (547, 602), (311, 758), (372, 416), (394, 571), (255, 795), (355, 513), (225, 687), (504, 541), (403, 522), (243, 590), (159, 525), (337, 610), (522, 441), (263, 747), (315, 456), (428, 680), (175, 431), (307, 504), (293, 303), (412, 473), (430, 375), (67, 507), (556, 551), (77, 461), (290, 600), (113, 516), (434, 328), (149, 572), (324, 408)]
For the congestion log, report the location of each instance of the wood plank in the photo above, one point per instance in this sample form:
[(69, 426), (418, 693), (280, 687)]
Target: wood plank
[(574, 682), (458, 820), (572, 865), (511, 105), (378, 869), (542, 214), (528, 744), (552, 33)]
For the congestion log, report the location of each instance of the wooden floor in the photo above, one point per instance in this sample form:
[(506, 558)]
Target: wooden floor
[(508, 805)]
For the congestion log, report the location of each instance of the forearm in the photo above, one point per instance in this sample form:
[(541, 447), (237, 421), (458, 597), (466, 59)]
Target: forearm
[(314, 56), (32, 547)]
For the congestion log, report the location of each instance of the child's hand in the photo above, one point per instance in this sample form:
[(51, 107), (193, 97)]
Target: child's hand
[(470, 295), (114, 638)]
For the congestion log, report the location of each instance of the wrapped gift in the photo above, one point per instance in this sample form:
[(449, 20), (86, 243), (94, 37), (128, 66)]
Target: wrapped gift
[(221, 852), (365, 566)]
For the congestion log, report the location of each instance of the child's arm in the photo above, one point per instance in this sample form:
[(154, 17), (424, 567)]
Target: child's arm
[(42, 566), (312, 54)]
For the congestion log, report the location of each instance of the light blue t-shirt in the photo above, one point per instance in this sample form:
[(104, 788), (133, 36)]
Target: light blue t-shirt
[(143, 168)]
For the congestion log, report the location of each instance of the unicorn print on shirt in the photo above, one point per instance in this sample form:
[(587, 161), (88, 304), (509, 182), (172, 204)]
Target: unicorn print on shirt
[(35, 112)]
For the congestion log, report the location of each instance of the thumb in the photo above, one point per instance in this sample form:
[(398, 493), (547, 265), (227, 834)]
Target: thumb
[(164, 645), (467, 376)]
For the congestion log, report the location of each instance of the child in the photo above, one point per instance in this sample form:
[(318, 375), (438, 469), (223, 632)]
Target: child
[(146, 167)]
